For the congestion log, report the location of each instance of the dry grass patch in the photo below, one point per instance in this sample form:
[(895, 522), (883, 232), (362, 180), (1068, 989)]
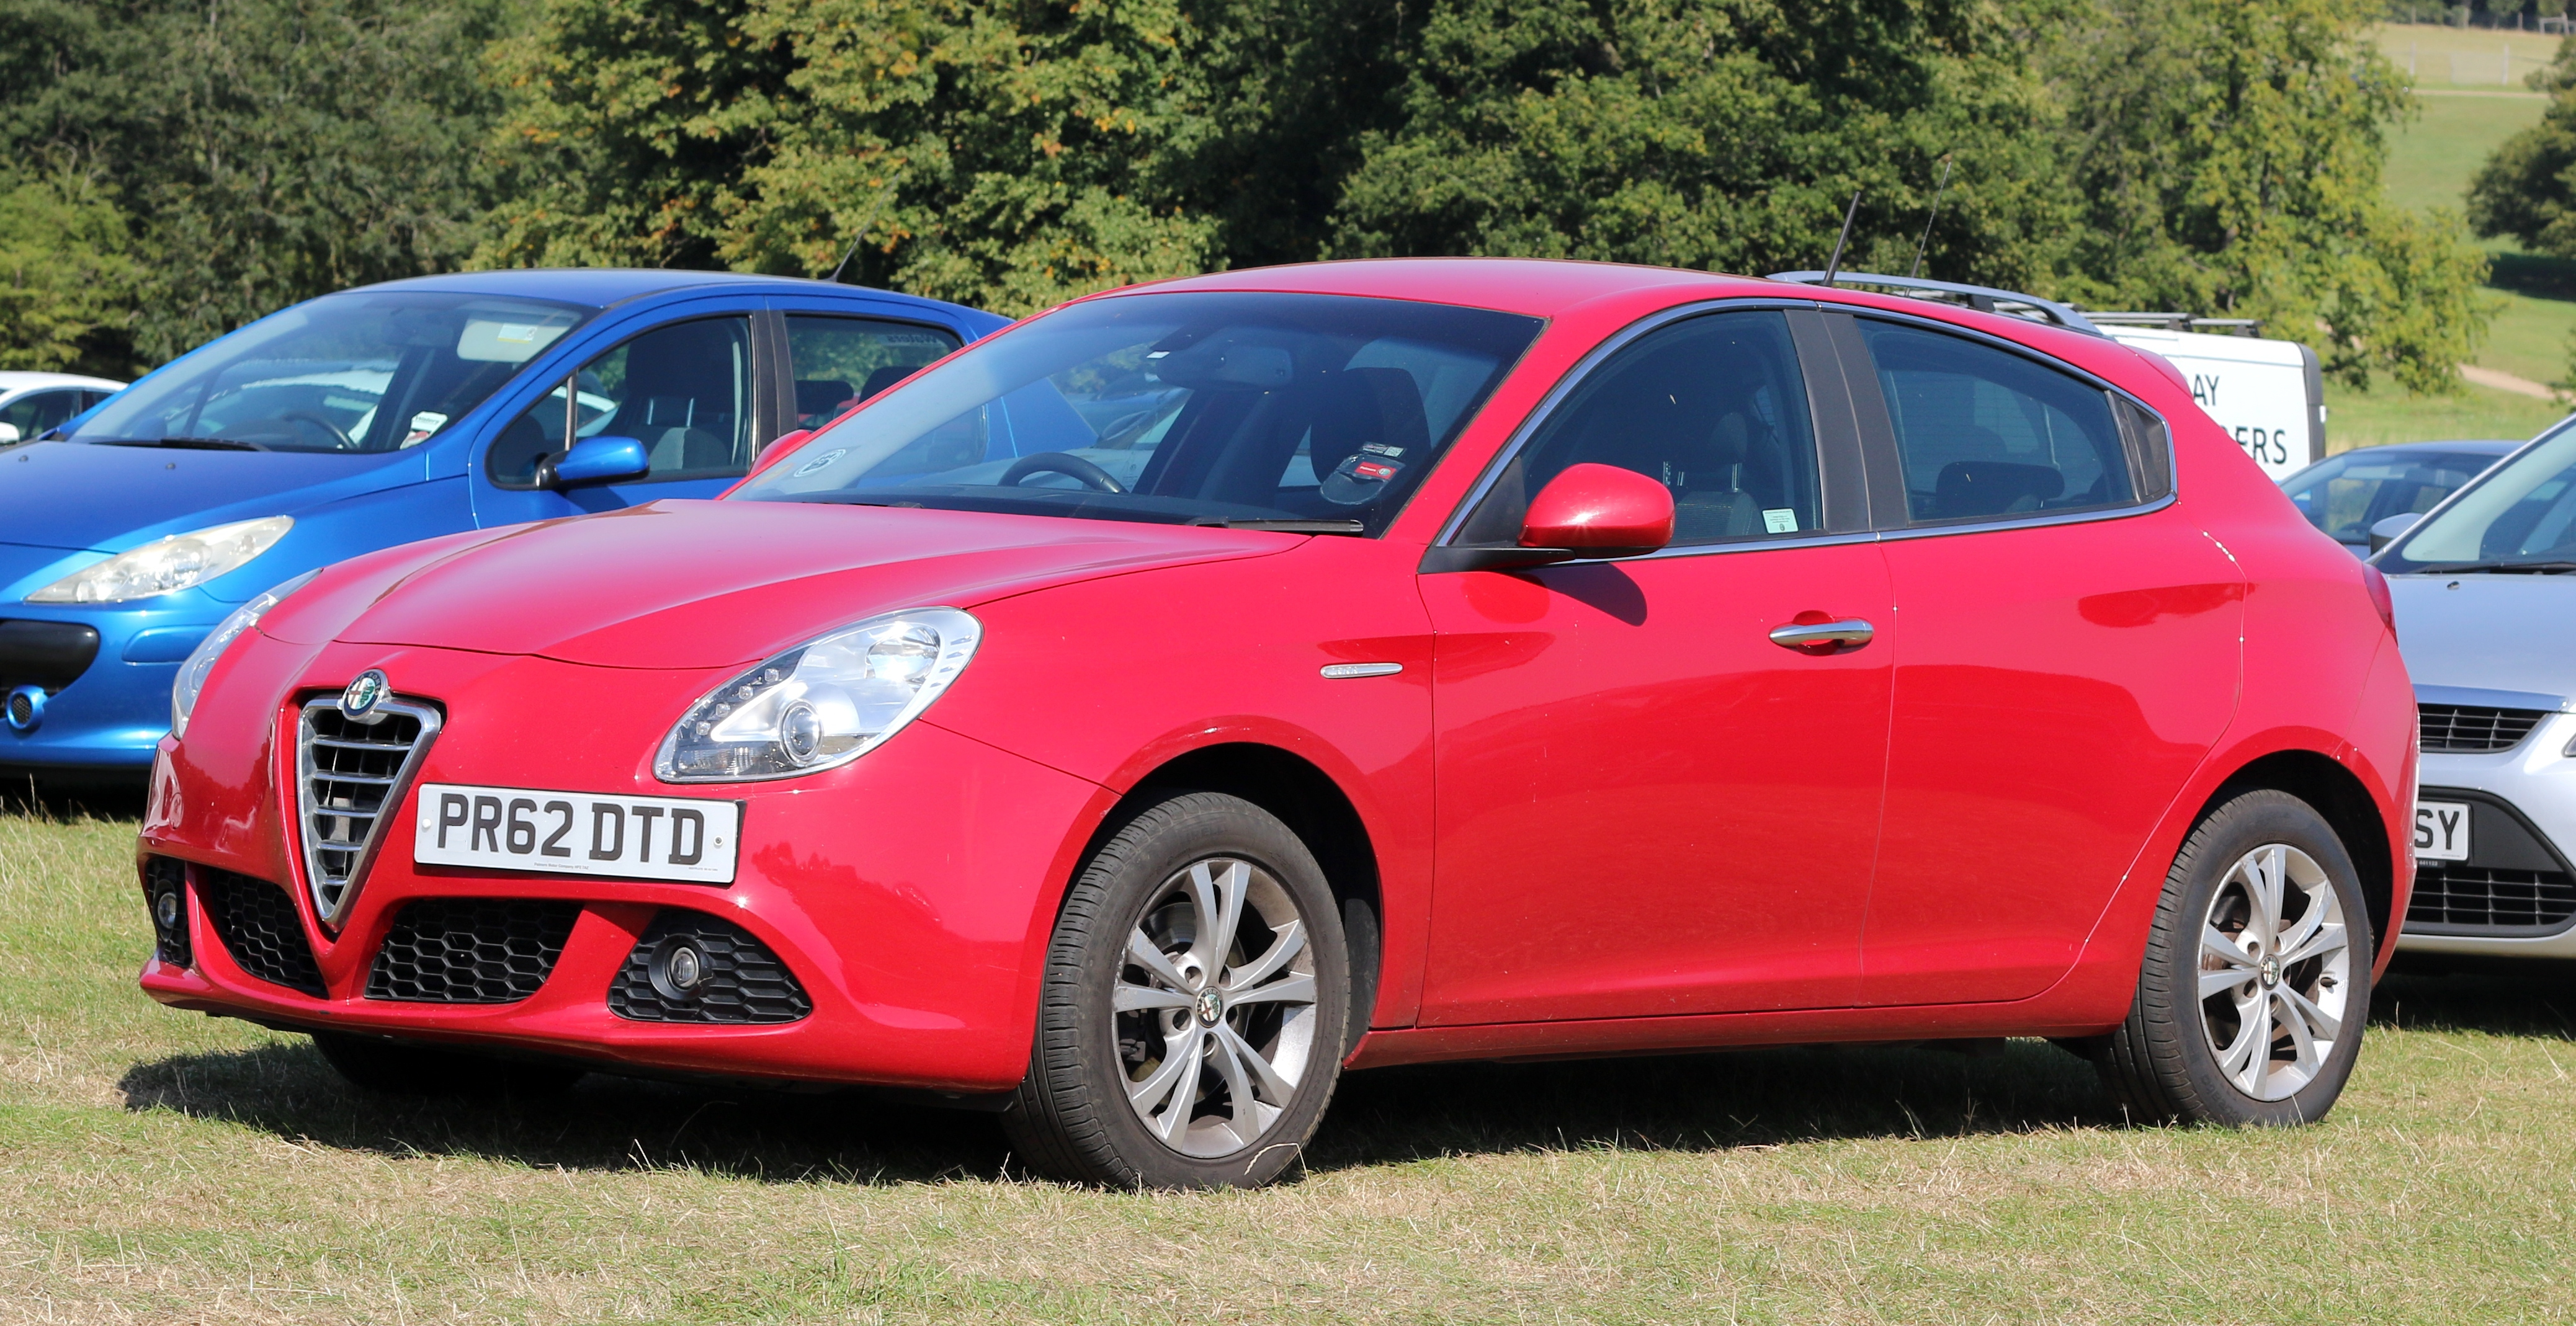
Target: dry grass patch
[(157, 1166)]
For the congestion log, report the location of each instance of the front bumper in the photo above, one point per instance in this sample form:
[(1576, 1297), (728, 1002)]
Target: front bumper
[(2533, 786), (108, 717), (909, 894)]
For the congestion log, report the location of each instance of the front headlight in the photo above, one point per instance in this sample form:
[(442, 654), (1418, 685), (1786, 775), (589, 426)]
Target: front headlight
[(181, 561), (201, 660), (822, 704)]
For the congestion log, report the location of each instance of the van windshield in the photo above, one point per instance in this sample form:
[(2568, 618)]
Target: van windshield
[(2519, 517), (353, 373), (1313, 412)]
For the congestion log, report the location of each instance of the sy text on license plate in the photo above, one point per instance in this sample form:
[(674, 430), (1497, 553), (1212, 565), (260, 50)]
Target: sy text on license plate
[(576, 833), (2441, 831)]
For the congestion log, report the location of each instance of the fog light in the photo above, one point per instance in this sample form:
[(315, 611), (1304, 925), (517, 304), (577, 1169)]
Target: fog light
[(165, 896), (26, 708), (165, 909), (678, 970)]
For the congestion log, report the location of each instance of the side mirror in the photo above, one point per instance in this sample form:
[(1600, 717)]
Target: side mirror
[(1587, 511), (2385, 530), (8, 434), (777, 449), (594, 460)]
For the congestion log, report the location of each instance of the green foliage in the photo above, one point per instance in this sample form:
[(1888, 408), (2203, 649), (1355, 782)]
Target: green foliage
[(2228, 158), (67, 278), (262, 151)]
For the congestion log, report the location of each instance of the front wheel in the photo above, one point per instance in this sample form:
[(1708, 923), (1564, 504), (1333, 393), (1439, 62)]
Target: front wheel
[(2256, 983), (1191, 1024)]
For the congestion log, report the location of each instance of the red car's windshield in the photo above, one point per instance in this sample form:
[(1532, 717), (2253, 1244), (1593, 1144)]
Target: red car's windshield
[(1318, 411)]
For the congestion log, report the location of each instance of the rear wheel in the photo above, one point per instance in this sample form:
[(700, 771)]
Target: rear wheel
[(1191, 1024), (397, 1068), (2256, 983)]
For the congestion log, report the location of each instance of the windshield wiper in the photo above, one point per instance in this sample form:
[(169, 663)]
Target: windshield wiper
[(1284, 526), (2539, 568), (183, 443)]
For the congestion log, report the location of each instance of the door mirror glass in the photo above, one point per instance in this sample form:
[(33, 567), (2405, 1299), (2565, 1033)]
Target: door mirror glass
[(1600, 511), (2384, 532), (594, 460), (8, 434)]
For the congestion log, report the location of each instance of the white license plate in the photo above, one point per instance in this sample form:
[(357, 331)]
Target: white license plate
[(576, 833), (2441, 831)]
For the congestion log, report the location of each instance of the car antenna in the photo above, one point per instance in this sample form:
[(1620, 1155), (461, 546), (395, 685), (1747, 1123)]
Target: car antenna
[(862, 237), (1929, 217), (1836, 264)]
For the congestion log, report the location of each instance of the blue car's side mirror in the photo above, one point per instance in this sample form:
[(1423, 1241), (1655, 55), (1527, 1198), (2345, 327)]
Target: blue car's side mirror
[(594, 460)]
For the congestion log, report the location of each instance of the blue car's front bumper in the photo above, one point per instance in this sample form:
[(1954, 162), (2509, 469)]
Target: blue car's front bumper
[(109, 717)]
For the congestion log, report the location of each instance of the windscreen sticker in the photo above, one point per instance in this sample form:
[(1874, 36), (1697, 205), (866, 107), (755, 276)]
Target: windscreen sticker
[(819, 462), (1779, 520), (1381, 449), (422, 425)]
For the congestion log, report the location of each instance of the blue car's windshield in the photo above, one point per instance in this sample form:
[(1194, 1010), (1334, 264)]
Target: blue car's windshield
[(358, 372), (1318, 411)]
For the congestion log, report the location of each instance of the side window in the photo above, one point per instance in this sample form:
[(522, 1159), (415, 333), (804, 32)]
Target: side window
[(1984, 432), (684, 391), (842, 361), (1714, 408), (38, 411)]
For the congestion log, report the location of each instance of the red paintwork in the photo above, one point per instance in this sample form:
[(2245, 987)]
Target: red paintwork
[(1605, 813), (1600, 506)]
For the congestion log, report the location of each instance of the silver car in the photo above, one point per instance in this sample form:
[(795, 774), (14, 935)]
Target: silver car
[(2485, 586)]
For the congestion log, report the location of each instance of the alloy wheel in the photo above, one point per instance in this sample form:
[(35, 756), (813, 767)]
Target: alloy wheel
[(2275, 971), (1214, 1009)]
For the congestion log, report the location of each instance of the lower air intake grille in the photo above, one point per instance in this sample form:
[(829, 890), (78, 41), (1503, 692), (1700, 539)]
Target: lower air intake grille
[(471, 950), (2507, 901), (259, 927), (691, 967), (2471, 728)]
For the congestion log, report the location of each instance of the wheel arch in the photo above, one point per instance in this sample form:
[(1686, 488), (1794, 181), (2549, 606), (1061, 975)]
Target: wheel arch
[(2337, 794), (1317, 810)]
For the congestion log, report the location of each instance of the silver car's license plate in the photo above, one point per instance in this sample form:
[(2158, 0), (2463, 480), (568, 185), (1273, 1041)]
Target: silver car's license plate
[(576, 833), (2441, 831)]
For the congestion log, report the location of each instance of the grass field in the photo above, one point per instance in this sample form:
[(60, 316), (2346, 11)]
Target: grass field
[(158, 1166), (2443, 57)]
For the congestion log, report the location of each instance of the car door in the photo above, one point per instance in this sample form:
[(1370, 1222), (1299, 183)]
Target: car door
[(2068, 654), (1645, 805), (698, 391)]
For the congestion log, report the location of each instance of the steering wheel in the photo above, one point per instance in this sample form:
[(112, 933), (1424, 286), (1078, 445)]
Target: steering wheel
[(1070, 466), (341, 438)]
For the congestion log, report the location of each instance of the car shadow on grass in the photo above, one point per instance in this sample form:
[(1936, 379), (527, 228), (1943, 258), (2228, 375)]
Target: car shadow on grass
[(1685, 1102)]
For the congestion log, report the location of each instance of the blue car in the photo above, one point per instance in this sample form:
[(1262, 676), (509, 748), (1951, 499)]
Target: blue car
[(378, 416)]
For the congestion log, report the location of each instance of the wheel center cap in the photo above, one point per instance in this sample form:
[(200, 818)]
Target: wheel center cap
[(1211, 1007), (2271, 972)]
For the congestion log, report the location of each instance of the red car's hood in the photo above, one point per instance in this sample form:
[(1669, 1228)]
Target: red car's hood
[(684, 584)]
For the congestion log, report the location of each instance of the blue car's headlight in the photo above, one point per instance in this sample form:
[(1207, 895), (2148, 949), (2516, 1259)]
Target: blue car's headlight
[(821, 704), (166, 566), (201, 660)]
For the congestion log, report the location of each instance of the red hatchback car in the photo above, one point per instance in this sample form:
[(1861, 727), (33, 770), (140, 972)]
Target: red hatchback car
[(1144, 715)]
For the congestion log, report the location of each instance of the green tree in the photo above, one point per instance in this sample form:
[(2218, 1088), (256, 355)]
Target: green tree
[(67, 277), (2228, 158), (264, 150)]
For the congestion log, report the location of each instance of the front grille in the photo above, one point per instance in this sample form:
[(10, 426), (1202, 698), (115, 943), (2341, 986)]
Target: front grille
[(2472, 727), (165, 896), (739, 979), (2486, 898), (348, 775), (259, 927), (471, 950)]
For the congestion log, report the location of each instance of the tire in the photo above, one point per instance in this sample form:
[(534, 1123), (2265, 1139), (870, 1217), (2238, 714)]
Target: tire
[(397, 1068), (1198, 1066), (2275, 1045)]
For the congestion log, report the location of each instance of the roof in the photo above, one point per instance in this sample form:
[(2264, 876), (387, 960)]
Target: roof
[(601, 287), (1537, 287), (20, 381), (2475, 446)]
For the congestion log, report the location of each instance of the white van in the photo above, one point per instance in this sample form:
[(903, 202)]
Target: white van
[(2268, 395)]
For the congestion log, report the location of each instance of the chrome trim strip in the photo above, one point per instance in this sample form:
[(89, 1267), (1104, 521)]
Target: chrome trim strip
[(2032, 522), (2478, 697), (430, 720)]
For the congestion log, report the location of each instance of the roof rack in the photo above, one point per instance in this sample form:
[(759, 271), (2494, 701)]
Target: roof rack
[(2180, 322), (1984, 299)]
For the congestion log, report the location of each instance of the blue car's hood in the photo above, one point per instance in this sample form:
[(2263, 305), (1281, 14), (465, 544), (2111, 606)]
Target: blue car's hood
[(79, 495)]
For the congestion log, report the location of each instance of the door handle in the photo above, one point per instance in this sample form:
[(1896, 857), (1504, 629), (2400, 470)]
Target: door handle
[(1823, 637)]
